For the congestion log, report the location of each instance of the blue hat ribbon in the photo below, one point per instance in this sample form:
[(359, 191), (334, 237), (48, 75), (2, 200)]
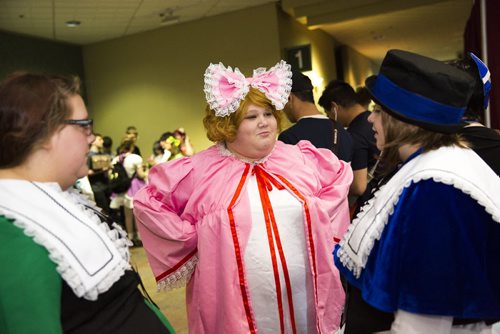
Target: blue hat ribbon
[(414, 106)]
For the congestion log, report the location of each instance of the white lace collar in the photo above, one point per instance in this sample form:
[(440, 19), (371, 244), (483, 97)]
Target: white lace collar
[(90, 256), (225, 152), (444, 165)]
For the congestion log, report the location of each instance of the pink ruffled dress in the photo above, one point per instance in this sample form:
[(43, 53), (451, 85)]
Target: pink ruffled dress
[(253, 241)]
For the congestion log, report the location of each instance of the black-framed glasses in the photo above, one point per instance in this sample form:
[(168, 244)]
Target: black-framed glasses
[(85, 124)]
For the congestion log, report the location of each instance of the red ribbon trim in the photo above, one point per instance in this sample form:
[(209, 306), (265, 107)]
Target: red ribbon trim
[(309, 232), (263, 188), (264, 181), (237, 251)]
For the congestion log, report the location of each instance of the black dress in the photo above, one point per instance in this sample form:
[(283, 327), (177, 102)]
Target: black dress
[(122, 309)]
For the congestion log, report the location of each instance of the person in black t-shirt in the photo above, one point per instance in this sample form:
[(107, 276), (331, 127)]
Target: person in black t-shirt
[(312, 125), (484, 141), (98, 164), (340, 101)]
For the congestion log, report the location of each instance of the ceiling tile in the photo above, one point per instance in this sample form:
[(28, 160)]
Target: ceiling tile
[(370, 35)]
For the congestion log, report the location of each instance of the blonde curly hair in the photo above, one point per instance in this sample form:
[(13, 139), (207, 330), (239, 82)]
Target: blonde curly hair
[(220, 129)]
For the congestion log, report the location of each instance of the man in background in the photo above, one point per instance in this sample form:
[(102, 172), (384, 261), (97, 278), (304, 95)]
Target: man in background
[(310, 124), (340, 101), (132, 133), (483, 140)]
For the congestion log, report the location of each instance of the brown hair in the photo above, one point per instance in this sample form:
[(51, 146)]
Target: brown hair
[(32, 108), (398, 133), (127, 145), (225, 128)]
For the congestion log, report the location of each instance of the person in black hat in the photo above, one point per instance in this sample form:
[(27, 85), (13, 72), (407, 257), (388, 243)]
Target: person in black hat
[(312, 125), (425, 248)]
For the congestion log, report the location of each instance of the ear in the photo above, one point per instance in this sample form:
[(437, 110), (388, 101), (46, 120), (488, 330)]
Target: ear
[(333, 105), (50, 142), (47, 144)]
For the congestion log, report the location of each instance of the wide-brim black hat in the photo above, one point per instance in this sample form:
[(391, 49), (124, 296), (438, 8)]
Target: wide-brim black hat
[(422, 91)]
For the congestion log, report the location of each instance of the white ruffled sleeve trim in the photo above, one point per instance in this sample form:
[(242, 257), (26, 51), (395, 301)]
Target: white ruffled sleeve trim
[(180, 277)]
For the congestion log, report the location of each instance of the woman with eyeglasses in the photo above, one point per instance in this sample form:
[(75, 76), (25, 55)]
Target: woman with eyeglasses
[(65, 265)]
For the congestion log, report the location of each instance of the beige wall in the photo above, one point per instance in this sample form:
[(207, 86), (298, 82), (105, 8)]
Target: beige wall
[(294, 34), (154, 80), (356, 67)]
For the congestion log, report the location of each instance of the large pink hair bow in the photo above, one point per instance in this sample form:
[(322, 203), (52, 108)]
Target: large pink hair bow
[(225, 88)]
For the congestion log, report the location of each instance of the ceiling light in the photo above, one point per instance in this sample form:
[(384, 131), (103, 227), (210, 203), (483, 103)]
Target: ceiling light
[(169, 21), (167, 17), (72, 23)]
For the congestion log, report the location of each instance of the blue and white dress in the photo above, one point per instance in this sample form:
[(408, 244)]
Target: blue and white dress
[(428, 242)]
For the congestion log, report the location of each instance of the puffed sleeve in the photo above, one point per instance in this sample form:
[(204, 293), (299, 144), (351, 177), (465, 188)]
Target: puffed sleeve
[(335, 178), (167, 230)]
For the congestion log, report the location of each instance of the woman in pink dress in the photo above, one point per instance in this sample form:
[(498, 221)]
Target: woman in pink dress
[(249, 224)]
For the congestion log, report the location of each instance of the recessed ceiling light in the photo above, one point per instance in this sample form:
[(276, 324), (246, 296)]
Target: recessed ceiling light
[(168, 17), (72, 23), (166, 21)]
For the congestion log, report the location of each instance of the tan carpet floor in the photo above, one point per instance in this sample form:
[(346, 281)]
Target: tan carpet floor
[(172, 303)]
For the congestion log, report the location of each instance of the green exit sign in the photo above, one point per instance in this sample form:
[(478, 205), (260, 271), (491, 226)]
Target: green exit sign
[(299, 57)]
